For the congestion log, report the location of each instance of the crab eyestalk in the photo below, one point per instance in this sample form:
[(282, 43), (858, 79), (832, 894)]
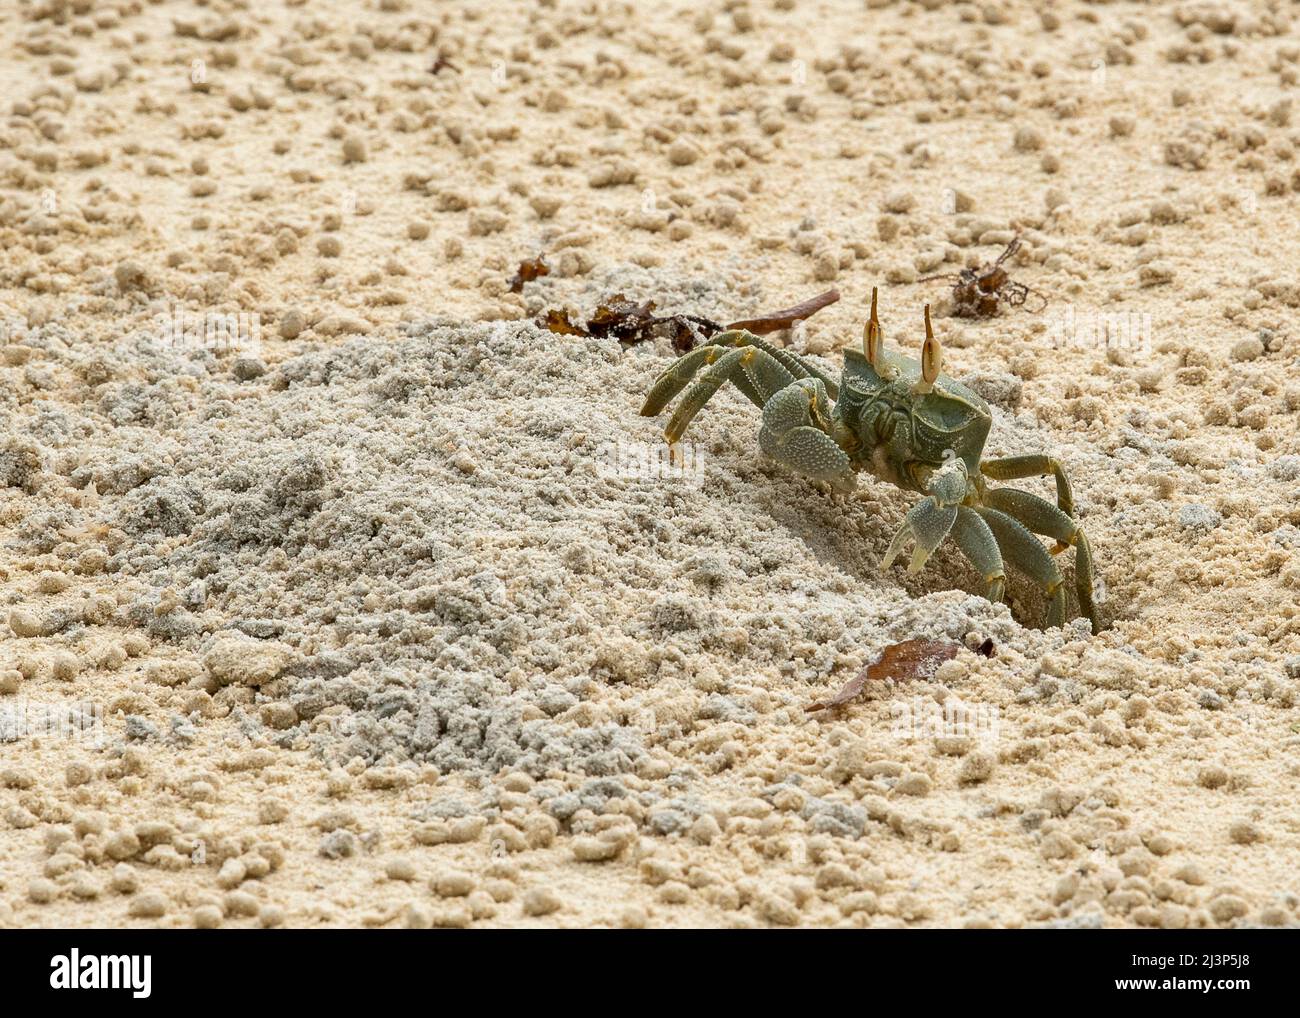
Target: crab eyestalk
[(931, 358), (872, 338)]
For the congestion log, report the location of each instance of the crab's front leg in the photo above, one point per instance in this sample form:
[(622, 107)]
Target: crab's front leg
[(930, 520)]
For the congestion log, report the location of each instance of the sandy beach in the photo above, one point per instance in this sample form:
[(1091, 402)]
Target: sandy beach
[(338, 590)]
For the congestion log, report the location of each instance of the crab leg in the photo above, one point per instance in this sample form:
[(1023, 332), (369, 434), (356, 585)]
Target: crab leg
[(1083, 580), (927, 524), (679, 374), (796, 406), (978, 544), (1014, 468), (929, 521), (1023, 550), (792, 362), (792, 433), (764, 375), (1042, 517)]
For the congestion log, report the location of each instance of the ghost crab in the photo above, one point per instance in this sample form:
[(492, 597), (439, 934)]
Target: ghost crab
[(908, 423)]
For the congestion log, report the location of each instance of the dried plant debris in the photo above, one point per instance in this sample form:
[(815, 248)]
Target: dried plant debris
[(911, 659), (630, 322), (980, 293), (623, 319), (529, 269), (558, 322), (788, 318)]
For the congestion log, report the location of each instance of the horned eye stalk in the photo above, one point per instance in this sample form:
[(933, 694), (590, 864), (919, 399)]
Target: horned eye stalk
[(931, 358), (873, 339), (873, 344)]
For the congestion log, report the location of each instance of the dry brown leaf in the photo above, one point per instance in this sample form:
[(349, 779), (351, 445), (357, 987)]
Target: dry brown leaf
[(911, 659), (623, 319), (629, 322)]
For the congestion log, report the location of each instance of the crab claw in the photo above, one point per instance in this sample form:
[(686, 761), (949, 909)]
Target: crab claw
[(927, 524)]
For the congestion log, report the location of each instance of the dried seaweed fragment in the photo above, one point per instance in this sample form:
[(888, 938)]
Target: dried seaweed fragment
[(629, 322), (623, 319), (911, 659), (529, 269), (557, 321), (981, 292)]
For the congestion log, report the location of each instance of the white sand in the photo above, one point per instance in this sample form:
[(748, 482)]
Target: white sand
[(376, 638)]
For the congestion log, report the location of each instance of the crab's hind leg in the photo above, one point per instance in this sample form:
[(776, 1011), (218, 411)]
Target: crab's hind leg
[(978, 544), (1042, 517), (794, 433), (753, 370), (678, 375), (1023, 550), (792, 362)]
